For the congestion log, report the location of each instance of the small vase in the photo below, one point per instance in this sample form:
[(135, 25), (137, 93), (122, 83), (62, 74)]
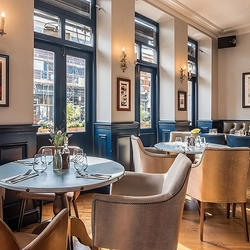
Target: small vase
[(57, 161)]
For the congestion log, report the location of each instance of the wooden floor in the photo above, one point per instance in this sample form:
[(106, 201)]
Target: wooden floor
[(219, 232)]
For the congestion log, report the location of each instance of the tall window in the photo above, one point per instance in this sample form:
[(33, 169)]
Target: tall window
[(192, 82), (146, 47), (62, 64)]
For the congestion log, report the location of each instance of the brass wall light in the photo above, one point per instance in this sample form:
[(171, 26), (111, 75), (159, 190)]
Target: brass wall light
[(123, 61), (2, 21), (182, 75)]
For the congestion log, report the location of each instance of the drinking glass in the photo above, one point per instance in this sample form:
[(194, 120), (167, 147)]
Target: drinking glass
[(80, 162), (178, 140), (203, 141), (75, 152), (39, 163), (48, 153)]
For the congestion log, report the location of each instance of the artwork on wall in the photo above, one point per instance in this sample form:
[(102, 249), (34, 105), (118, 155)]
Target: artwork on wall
[(246, 90), (182, 101), (4, 80), (123, 94)]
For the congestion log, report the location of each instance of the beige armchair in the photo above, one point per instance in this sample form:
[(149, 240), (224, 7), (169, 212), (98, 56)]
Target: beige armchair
[(72, 196), (148, 162), (54, 236), (144, 211), (220, 177), (182, 134)]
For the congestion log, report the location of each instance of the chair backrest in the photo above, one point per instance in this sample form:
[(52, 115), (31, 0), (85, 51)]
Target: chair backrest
[(148, 162), (220, 176), (182, 134), (71, 148), (143, 222), (7, 238), (54, 236)]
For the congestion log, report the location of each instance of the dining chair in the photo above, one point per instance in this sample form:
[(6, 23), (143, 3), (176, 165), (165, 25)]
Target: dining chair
[(147, 162), (72, 196), (54, 236), (182, 134), (144, 210), (2, 197), (220, 177)]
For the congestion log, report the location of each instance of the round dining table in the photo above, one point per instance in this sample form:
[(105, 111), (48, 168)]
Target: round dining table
[(100, 172), (181, 147)]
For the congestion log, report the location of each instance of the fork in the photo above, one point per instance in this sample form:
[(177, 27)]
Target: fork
[(20, 176)]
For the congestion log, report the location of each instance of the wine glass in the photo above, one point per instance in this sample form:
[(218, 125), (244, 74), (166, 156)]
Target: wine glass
[(39, 163), (48, 153), (80, 162), (178, 140)]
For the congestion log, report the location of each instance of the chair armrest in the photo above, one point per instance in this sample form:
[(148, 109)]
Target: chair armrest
[(133, 183)]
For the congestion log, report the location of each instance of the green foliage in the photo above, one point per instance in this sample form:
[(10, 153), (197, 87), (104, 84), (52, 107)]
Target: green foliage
[(74, 116)]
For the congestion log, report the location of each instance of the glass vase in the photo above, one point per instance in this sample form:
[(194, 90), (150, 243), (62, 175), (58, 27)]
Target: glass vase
[(57, 161)]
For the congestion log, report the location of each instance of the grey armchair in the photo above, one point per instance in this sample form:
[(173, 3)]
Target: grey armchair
[(144, 210), (146, 161), (220, 177)]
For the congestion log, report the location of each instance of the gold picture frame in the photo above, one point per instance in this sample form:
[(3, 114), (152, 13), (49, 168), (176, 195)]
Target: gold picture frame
[(123, 94)]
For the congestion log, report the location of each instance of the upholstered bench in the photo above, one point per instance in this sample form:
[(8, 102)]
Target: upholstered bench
[(229, 127)]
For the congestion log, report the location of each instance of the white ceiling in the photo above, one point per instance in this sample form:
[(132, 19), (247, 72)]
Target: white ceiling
[(220, 17)]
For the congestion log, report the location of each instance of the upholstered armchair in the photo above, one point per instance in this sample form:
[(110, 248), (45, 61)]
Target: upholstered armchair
[(220, 177), (2, 197), (147, 162), (144, 210), (54, 236), (182, 134)]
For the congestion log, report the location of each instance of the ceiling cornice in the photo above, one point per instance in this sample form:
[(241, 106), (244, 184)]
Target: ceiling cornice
[(177, 9)]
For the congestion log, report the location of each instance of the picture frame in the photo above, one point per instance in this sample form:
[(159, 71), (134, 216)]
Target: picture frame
[(182, 101), (123, 94), (4, 80), (246, 90)]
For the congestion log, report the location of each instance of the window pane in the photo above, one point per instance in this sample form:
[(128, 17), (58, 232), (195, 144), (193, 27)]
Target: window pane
[(81, 7), (76, 93), (44, 89), (189, 104), (78, 33), (191, 49), (148, 54), (145, 97), (46, 24), (145, 32)]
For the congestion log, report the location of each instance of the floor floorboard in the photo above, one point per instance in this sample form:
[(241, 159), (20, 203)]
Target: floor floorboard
[(219, 232)]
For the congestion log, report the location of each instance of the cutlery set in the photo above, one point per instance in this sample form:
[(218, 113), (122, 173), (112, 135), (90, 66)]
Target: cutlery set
[(21, 177), (94, 176)]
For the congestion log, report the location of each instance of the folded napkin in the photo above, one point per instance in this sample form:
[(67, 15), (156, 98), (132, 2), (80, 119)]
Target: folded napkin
[(94, 176)]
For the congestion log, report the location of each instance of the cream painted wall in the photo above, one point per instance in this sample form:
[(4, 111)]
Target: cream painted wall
[(173, 57), (232, 63), (18, 43), (115, 30)]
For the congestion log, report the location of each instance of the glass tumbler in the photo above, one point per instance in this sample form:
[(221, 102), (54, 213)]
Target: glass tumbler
[(39, 163), (80, 162)]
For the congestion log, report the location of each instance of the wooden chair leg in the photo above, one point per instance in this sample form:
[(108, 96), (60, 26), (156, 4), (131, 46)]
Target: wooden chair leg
[(234, 209), (75, 208), (40, 210), (21, 214), (202, 213), (228, 210), (244, 218)]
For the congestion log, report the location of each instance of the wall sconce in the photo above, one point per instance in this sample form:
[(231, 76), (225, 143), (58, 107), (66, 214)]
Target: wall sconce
[(123, 61), (189, 75), (2, 24), (182, 76)]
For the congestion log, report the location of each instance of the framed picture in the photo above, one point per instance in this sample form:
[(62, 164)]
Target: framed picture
[(246, 90), (182, 101), (4, 80), (123, 94)]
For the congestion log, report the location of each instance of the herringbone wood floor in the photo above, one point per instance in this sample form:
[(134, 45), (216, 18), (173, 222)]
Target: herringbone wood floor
[(219, 232)]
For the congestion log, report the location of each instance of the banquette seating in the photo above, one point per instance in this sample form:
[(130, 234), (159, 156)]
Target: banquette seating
[(229, 127)]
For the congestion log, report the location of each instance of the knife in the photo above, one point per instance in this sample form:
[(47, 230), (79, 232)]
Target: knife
[(23, 178)]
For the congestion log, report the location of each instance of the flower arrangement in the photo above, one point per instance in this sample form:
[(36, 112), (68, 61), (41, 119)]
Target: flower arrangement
[(195, 131), (58, 137)]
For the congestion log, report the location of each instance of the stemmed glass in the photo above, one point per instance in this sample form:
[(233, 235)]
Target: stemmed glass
[(178, 140), (48, 153), (80, 160)]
